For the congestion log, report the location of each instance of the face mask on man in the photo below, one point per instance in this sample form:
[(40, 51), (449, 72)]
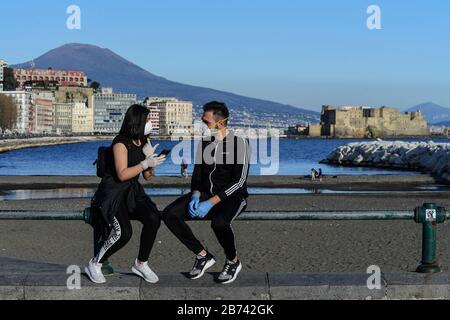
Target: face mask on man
[(148, 128), (205, 130), (211, 129)]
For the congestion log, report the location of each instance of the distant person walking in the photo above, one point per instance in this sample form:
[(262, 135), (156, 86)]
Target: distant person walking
[(184, 169), (320, 175), (314, 174)]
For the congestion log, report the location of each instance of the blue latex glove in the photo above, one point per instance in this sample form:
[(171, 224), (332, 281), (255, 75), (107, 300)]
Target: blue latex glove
[(193, 205), (203, 209)]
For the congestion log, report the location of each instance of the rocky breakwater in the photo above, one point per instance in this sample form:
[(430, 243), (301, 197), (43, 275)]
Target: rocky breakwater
[(426, 157)]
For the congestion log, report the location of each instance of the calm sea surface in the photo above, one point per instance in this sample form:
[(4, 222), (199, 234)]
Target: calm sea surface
[(296, 157)]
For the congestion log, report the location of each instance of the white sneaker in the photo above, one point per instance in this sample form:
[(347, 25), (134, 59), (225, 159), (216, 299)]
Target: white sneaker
[(94, 272), (144, 271)]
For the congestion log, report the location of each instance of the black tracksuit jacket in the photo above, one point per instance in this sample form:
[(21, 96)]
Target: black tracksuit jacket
[(222, 167)]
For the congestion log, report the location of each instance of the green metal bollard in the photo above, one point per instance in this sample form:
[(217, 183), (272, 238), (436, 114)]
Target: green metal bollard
[(87, 216), (429, 215)]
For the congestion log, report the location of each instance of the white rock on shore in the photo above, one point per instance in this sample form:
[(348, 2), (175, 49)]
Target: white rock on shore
[(428, 157)]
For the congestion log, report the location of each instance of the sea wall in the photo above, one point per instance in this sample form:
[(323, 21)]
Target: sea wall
[(427, 157)]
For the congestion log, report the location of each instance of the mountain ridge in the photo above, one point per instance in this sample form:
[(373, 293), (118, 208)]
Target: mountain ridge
[(112, 70), (433, 112)]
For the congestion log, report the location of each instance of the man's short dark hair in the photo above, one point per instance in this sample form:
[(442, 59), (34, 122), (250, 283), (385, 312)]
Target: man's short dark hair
[(219, 109)]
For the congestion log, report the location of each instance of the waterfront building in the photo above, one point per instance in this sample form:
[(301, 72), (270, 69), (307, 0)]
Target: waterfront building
[(298, 130), (154, 114), (58, 77), (154, 119), (175, 116), (23, 101), (368, 122), (110, 109), (74, 110), (3, 64), (63, 117), (82, 118), (75, 94), (41, 114)]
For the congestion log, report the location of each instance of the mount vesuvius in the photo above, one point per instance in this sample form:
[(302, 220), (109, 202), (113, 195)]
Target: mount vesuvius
[(111, 70)]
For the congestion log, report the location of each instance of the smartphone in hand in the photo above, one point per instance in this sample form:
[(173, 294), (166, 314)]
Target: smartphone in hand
[(165, 152)]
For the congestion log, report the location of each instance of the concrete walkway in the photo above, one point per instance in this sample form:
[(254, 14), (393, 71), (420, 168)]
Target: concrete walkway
[(24, 280)]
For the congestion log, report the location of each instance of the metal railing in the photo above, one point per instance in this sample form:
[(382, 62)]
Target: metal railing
[(429, 215)]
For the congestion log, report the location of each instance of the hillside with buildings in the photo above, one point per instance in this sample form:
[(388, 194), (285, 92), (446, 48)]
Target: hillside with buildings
[(53, 95), (60, 102), (56, 101), (111, 70), (79, 110)]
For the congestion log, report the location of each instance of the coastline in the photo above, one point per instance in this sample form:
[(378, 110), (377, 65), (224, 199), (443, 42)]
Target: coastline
[(7, 145)]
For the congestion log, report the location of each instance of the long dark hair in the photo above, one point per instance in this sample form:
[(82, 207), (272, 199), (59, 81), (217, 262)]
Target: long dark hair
[(133, 125)]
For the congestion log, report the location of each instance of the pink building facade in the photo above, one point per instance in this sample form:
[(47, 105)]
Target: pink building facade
[(61, 77)]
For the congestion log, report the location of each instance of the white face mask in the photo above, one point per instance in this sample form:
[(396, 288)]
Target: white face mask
[(205, 130), (148, 128)]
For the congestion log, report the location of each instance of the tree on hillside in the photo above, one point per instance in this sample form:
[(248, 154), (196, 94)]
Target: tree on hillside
[(9, 80), (8, 112), (95, 85)]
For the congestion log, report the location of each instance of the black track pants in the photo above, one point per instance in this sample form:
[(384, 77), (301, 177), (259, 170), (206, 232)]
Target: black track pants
[(221, 217)]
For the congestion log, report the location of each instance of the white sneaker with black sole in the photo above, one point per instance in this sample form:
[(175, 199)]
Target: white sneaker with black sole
[(144, 271), (201, 264), (94, 272), (230, 272)]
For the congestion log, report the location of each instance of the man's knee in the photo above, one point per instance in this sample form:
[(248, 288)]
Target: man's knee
[(171, 214)]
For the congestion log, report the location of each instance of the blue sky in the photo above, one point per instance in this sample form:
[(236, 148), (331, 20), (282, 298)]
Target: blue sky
[(305, 53)]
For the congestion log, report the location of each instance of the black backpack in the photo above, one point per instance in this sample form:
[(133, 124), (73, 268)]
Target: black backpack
[(104, 161)]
